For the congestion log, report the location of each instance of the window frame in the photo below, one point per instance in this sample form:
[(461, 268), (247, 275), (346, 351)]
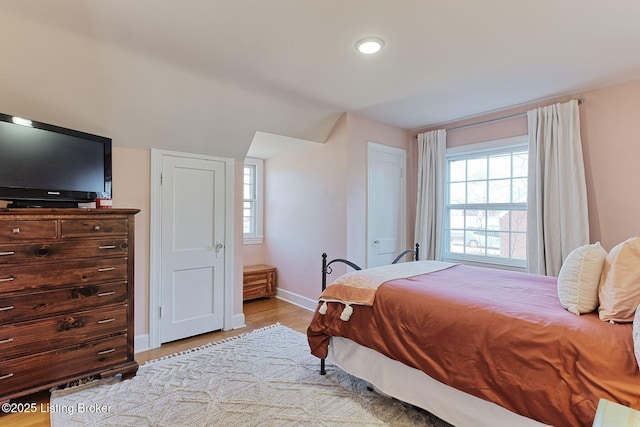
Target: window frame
[(470, 151), (257, 237)]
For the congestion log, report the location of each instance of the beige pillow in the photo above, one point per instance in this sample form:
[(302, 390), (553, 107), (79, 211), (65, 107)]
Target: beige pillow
[(579, 278), (620, 282), (636, 335)]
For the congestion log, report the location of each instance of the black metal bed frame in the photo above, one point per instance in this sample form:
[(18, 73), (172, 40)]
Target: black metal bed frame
[(326, 269)]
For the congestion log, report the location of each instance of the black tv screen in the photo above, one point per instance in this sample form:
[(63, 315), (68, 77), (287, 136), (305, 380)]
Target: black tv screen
[(47, 165)]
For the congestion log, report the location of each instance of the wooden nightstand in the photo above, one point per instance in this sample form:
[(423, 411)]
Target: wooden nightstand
[(258, 281)]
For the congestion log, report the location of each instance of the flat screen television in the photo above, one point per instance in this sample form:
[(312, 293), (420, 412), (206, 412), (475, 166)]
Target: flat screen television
[(43, 165)]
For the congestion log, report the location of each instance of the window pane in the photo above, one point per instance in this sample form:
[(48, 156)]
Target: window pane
[(456, 241), (520, 190), (249, 182), (520, 164), (500, 167), (518, 246), (457, 170), (477, 192), (474, 241), (485, 212), (477, 169), (248, 219), (456, 218), (457, 193), (500, 191), (498, 220), (475, 219), (519, 221)]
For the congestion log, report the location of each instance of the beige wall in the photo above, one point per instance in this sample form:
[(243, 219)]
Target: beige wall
[(131, 189), (610, 131), (610, 128), (305, 211), (360, 131), (316, 201)]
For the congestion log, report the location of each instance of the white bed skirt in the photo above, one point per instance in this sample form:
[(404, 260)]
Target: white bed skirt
[(410, 385)]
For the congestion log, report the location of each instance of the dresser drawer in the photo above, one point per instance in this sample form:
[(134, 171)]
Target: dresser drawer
[(17, 278), (55, 366), (28, 306), (92, 227), (61, 250), (28, 230), (36, 336)]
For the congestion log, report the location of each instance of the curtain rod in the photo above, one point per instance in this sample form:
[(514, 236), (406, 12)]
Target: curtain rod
[(511, 116)]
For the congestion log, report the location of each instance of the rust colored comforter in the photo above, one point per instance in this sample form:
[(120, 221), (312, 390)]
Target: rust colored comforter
[(498, 335)]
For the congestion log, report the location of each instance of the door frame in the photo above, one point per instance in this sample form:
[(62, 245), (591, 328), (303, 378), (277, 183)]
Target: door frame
[(371, 147), (155, 233)]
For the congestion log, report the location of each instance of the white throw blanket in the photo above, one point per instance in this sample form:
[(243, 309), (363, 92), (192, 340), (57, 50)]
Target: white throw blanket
[(359, 287)]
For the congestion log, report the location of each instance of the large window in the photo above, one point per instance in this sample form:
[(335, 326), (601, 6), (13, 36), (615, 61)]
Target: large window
[(485, 218), (252, 204)]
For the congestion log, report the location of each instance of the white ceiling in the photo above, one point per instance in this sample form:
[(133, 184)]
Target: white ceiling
[(443, 59)]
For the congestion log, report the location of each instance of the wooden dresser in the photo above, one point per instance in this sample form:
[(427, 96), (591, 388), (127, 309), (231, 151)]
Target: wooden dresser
[(258, 281), (66, 297)]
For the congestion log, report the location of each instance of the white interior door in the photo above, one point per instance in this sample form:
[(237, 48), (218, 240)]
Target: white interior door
[(193, 246), (386, 204)]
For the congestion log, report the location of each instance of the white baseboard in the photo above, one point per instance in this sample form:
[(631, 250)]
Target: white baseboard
[(141, 343), (295, 299), (238, 321)]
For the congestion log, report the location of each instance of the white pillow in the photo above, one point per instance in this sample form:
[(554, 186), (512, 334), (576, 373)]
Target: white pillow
[(579, 278), (619, 292), (636, 335)]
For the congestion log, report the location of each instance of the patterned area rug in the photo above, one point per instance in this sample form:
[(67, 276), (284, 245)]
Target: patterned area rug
[(264, 378)]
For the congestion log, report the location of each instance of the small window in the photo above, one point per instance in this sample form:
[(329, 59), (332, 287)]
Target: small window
[(485, 217), (253, 201)]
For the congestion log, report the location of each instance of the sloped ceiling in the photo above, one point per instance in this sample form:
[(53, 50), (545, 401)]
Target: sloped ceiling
[(227, 69)]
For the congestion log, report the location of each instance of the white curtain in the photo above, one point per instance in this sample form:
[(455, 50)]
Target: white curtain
[(557, 217), (430, 206)]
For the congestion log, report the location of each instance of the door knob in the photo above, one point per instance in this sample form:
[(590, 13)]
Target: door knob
[(218, 247)]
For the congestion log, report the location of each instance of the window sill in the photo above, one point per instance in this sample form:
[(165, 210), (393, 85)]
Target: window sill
[(487, 263), (253, 240)]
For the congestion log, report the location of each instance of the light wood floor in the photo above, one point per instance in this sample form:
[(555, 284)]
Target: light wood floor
[(258, 313)]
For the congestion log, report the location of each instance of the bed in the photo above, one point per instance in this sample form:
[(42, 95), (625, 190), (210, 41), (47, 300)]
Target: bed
[(475, 346)]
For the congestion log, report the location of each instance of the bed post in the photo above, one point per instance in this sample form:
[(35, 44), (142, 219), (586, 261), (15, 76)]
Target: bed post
[(324, 271), (417, 257), (324, 286)]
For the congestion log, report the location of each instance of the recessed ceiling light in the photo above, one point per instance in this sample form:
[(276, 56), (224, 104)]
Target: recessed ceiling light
[(370, 45), (21, 121)]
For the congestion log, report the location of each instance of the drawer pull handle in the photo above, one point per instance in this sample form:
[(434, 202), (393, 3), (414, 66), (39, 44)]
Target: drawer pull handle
[(4, 377), (111, 350), (7, 253), (96, 228), (106, 294), (107, 320), (6, 341), (106, 269), (16, 231), (8, 279), (10, 307), (107, 247)]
